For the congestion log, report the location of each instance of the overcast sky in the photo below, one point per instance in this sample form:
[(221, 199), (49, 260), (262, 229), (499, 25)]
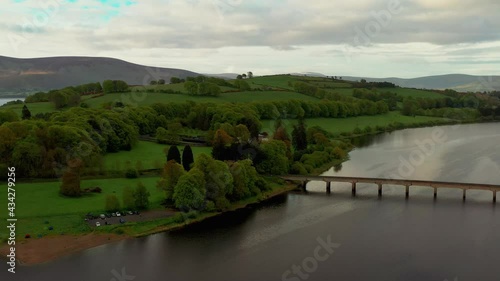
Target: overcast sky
[(369, 38)]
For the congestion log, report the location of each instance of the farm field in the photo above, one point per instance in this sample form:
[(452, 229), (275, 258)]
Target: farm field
[(35, 108), (341, 125), (279, 81), (403, 92), (144, 98)]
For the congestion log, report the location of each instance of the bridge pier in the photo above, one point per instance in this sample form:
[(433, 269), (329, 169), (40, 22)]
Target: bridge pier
[(353, 188), (407, 191), (379, 190), (304, 184), (328, 187), (465, 194), (435, 192), (494, 196)]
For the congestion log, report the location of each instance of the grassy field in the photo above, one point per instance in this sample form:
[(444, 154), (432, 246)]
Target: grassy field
[(143, 98), (35, 108), (278, 81), (148, 153), (40, 202), (404, 92), (340, 125), (174, 87)]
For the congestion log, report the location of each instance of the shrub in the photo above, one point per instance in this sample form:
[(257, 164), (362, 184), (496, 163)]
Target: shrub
[(131, 174), (298, 169), (178, 218), (192, 214)]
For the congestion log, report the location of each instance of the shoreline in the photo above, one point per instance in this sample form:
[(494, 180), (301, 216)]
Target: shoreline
[(51, 248)]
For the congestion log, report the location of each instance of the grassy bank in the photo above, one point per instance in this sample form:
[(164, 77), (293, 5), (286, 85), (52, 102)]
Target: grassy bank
[(40, 206), (182, 219)]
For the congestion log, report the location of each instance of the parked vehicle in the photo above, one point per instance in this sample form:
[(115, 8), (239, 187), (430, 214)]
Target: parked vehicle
[(97, 224)]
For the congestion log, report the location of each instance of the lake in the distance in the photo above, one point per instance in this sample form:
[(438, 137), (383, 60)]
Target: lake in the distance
[(4, 101), (391, 238)]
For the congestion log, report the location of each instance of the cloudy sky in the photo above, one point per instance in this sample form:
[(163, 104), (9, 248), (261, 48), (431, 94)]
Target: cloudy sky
[(370, 38)]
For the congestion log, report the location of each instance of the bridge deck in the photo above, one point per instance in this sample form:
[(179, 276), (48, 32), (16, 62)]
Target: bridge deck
[(433, 184)]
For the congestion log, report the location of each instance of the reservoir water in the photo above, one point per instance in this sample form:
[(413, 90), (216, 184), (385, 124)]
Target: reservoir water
[(4, 100), (323, 237)]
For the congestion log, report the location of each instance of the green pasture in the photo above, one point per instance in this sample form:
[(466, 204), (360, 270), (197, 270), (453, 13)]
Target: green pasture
[(150, 155), (341, 125), (38, 203), (144, 98)]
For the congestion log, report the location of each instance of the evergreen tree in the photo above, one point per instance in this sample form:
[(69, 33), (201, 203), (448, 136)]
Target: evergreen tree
[(174, 154), (187, 157), (299, 136), (26, 113)]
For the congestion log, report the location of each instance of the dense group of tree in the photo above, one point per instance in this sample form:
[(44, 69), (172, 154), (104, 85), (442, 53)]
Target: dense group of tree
[(68, 96), (370, 85), (114, 86), (447, 107), (391, 99), (202, 88), (132, 199), (209, 184), (44, 147)]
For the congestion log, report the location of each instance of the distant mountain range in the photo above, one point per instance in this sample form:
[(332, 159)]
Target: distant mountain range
[(42, 74), (459, 82), (22, 76)]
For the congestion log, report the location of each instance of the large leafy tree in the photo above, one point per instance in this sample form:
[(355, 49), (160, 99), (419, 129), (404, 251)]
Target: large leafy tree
[(218, 180), (275, 160), (70, 185), (189, 193), (170, 177), (220, 145)]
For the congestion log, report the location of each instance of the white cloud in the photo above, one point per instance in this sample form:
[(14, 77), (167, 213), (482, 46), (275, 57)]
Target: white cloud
[(426, 37)]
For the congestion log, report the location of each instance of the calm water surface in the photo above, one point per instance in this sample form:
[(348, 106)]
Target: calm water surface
[(380, 239), (4, 101)]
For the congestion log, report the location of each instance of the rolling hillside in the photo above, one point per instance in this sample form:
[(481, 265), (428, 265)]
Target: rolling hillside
[(459, 82), (42, 74)]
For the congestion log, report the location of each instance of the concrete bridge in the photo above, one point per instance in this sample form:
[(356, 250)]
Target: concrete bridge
[(406, 183)]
